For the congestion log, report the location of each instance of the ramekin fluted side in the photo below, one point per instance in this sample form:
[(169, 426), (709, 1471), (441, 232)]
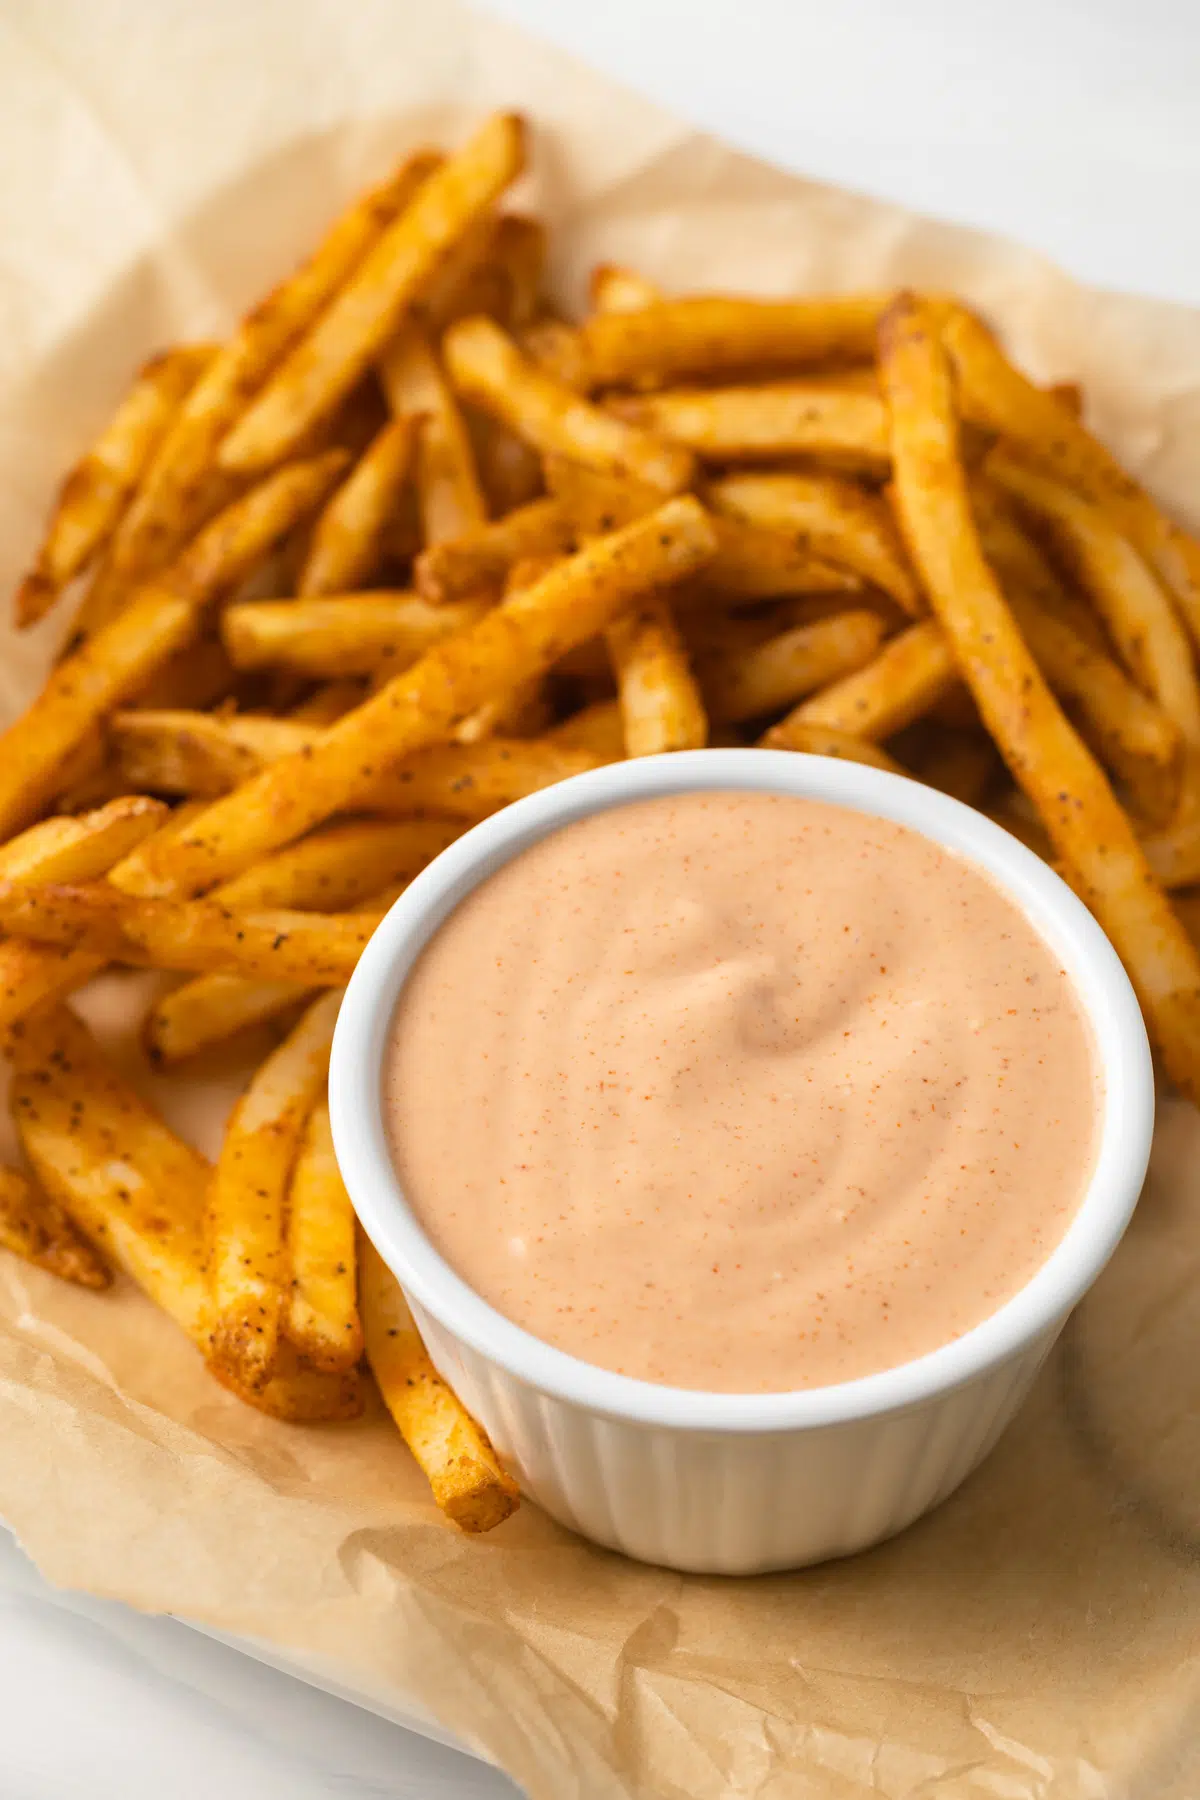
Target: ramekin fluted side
[(733, 1503)]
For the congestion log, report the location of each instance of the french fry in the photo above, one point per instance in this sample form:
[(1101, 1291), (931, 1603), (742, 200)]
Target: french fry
[(201, 675), (489, 370), (182, 485), (319, 949), (596, 729), (246, 1213), (510, 473), (467, 1479), (482, 557), (1141, 619), (1020, 564), (612, 289), (339, 866), (521, 638), (160, 619), (38, 1230), (557, 349), (209, 1009), (364, 315), (322, 1309), (79, 849), (993, 394), (901, 684), (345, 634), (468, 781), (348, 540), (1090, 832), (708, 335), (449, 497), (98, 489), (660, 703), (769, 422), (824, 740), (831, 518), (749, 564), (201, 754), (297, 1393), (781, 671), (134, 1188)]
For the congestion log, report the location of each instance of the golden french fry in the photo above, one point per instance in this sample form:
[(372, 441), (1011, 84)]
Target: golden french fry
[(319, 949), (79, 849), (339, 866), (39, 1231), (210, 1009), (1090, 832), (98, 489), (521, 638), (901, 684), (510, 473), (201, 754), (776, 420), (1141, 618), (709, 335), (449, 497), (298, 1394), (557, 349), (482, 558), (322, 1310), (828, 516), (158, 621), (488, 369), (825, 740), (781, 671), (246, 1214), (348, 541), (993, 394), (613, 289), (660, 703), (467, 1479), (1020, 563), (596, 729), (468, 781), (364, 315), (134, 1188), (341, 634), (183, 487)]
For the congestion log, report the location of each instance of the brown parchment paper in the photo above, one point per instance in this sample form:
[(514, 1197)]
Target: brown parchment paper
[(1040, 1635)]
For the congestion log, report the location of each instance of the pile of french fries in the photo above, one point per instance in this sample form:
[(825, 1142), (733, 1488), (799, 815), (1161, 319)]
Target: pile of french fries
[(409, 545)]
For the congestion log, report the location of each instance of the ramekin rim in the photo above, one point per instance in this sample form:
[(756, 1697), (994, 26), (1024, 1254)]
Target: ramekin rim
[(1101, 983)]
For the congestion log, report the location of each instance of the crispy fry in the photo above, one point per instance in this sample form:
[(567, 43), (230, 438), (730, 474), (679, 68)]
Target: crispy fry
[(211, 1008), (481, 558), (661, 707), (523, 637), (245, 1219), (825, 740), (201, 754), (899, 685), (361, 319), (348, 542), (343, 634), (833, 518), (488, 369), (494, 268), (318, 949), (613, 289), (158, 622), (993, 394), (339, 866), (779, 672), (297, 1393), (1089, 830), (134, 1188), (767, 422), (37, 1229), (708, 335), (322, 1312), (183, 486), (449, 497), (79, 849), (596, 728), (557, 349), (1141, 619), (1020, 563), (98, 489), (462, 1469)]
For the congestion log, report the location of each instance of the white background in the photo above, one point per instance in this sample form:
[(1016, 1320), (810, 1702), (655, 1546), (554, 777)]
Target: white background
[(1071, 124)]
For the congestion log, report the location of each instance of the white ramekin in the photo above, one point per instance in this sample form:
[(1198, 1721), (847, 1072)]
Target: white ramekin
[(734, 1483)]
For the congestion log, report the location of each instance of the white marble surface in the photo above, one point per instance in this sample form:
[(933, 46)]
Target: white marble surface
[(1071, 124)]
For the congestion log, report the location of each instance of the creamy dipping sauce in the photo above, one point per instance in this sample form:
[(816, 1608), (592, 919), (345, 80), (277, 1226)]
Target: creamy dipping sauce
[(742, 1092)]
